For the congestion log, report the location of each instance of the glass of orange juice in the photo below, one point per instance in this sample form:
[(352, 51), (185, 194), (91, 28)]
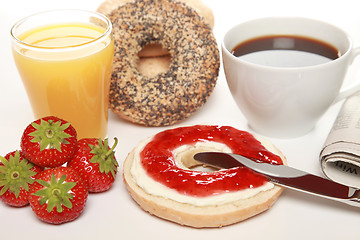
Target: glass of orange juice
[(64, 58)]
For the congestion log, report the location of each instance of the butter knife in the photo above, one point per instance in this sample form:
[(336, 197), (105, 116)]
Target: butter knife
[(285, 176)]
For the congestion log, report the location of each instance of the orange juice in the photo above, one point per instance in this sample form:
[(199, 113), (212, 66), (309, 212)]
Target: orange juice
[(66, 72)]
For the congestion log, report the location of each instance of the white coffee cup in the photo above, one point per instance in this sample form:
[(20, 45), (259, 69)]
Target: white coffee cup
[(281, 101)]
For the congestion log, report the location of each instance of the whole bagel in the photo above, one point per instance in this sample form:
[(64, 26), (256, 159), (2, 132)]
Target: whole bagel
[(173, 95), (160, 176)]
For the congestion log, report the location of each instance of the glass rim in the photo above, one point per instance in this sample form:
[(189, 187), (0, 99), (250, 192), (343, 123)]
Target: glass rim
[(70, 47)]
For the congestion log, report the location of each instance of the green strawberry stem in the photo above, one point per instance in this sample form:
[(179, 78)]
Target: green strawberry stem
[(111, 150), (56, 193), (50, 134), (105, 157), (15, 174)]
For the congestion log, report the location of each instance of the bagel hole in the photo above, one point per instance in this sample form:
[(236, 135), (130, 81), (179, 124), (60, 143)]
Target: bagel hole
[(153, 60), (187, 161)]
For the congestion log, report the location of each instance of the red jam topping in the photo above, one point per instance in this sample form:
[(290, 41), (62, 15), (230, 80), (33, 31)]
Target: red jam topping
[(158, 160)]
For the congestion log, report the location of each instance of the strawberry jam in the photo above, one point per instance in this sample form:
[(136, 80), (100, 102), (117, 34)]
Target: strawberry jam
[(158, 160)]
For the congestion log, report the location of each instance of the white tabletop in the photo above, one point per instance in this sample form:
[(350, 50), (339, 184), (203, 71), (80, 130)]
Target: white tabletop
[(114, 214)]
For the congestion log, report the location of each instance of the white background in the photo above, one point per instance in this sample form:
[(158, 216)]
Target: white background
[(114, 215)]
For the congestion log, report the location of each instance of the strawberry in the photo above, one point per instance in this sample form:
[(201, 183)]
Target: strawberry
[(96, 163), (49, 142), (58, 195), (16, 175)]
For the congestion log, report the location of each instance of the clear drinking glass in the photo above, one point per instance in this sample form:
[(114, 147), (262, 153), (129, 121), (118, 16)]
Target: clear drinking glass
[(64, 58)]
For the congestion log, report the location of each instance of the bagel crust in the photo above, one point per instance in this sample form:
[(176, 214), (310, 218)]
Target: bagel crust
[(213, 214), (108, 5), (172, 95)]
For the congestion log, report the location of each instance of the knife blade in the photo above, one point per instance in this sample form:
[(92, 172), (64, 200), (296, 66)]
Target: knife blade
[(285, 176)]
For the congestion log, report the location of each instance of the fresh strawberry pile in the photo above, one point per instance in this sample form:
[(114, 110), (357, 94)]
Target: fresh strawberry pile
[(53, 172)]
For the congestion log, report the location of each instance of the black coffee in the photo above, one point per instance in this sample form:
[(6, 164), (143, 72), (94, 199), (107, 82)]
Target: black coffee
[(285, 51)]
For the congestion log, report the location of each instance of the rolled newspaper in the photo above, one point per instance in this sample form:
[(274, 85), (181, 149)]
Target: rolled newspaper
[(340, 156)]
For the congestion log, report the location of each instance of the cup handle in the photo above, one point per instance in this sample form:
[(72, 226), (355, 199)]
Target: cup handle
[(352, 88)]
